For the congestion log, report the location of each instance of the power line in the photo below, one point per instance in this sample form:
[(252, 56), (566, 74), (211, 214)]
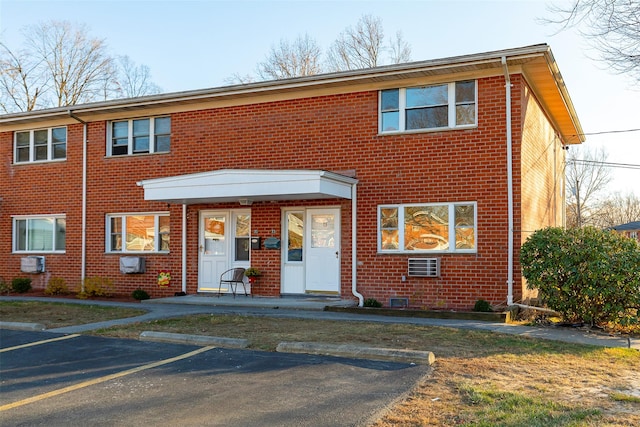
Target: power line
[(608, 131), (606, 164)]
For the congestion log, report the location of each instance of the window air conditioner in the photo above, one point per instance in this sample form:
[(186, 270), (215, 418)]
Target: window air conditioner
[(132, 264), (424, 267), (32, 264)]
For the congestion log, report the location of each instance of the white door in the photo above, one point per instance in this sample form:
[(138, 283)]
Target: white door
[(322, 249), (213, 250)]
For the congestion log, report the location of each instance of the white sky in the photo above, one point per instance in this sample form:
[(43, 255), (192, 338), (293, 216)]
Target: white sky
[(198, 44)]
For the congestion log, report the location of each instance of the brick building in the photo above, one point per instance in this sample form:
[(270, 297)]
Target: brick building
[(416, 182)]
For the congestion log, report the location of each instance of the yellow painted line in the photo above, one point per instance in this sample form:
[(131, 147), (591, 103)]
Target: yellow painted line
[(101, 379), (31, 344)]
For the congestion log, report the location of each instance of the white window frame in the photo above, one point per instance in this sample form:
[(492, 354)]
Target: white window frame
[(14, 238), (451, 99), (32, 146), (130, 140), (452, 228), (123, 216)]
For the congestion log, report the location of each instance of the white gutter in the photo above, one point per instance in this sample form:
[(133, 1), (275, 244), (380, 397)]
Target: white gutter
[(184, 248), (354, 255), (83, 243), (509, 185)]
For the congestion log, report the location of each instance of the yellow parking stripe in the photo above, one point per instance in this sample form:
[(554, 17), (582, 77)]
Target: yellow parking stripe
[(101, 379), (31, 344)]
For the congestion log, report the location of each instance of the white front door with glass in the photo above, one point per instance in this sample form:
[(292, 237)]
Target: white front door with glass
[(312, 254), (223, 244)]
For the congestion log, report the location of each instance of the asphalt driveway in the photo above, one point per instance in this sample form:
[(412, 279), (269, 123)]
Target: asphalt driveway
[(75, 380)]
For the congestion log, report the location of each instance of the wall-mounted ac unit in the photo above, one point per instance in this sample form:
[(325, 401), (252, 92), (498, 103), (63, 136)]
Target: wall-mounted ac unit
[(132, 264), (424, 267), (32, 264)]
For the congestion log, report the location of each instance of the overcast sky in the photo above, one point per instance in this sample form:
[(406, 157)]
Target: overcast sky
[(199, 44)]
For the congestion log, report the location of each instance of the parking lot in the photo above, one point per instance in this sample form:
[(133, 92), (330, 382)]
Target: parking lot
[(55, 380)]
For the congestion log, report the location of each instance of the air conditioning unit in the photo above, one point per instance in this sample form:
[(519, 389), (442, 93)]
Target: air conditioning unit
[(132, 264), (424, 267), (32, 264)]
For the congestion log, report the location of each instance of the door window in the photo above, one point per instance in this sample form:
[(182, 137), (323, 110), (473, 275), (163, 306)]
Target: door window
[(214, 235), (242, 237), (295, 236)]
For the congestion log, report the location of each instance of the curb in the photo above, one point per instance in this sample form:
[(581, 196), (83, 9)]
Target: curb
[(193, 339), (347, 350), (20, 326)]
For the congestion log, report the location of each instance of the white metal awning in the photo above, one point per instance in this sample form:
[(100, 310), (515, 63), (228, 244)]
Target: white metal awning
[(248, 185)]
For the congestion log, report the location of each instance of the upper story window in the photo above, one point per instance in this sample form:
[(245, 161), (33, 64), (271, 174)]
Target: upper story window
[(443, 227), (39, 233), (137, 136), (443, 106), (41, 145), (144, 232)]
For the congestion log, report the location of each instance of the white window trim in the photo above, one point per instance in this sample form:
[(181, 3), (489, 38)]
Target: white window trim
[(32, 148), (452, 229), (14, 242), (156, 226), (402, 108), (130, 152)]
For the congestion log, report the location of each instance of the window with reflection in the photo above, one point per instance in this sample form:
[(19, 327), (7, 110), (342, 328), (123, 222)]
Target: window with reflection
[(138, 232), (39, 234), (139, 136), (426, 227), (40, 145), (243, 237), (441, 106), (295, 236)]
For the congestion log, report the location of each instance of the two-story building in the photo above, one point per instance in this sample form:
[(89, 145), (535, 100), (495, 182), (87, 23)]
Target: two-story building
[(414, 182)]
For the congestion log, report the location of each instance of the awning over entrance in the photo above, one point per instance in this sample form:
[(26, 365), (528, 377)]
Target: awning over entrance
[(248, 185)]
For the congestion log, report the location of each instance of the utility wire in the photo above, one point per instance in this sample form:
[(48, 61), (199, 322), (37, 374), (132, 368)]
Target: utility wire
[(608, 131), (607, 164)]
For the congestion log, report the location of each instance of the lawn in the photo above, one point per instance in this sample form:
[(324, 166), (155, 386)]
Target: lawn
[(479, 378)]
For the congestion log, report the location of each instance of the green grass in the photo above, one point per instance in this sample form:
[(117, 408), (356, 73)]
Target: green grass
[(490, 407)]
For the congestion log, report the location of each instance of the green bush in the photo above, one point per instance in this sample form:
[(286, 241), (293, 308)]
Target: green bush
[(21, 284), (96, 287), (56, 286), (482, 306), (140, 294), (585, 274), (372, 302)]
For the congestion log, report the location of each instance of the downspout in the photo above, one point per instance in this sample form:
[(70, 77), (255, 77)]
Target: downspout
[(184, 248), (354, 257), (509, 184), (83, 242)]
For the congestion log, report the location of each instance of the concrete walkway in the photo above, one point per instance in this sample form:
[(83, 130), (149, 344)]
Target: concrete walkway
[(312, 308)]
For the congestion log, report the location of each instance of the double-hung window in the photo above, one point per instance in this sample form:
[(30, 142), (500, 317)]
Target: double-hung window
[(140, 232), (442, 106), (39, 233), (139, 136), (442, 227), (41, 145)]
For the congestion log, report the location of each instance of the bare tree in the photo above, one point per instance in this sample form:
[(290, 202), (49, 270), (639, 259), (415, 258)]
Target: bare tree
[(79, 67), (612, 27), (21, 82), (587, 176), (400, 50), (237, 78), (357, 47), (619, 209), (134, 80), (61, 65), (292, 59)]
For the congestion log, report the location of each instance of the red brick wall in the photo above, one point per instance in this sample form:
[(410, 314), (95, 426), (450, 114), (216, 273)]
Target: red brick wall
[(329, 132)]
